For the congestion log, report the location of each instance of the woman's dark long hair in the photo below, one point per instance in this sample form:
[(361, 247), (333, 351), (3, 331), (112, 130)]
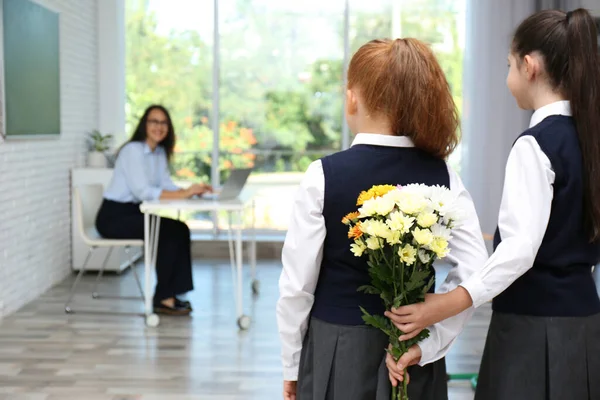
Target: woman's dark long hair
[(568, 43), (139, 135)]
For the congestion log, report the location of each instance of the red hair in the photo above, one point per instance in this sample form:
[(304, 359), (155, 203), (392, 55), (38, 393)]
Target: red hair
[(402, 80)]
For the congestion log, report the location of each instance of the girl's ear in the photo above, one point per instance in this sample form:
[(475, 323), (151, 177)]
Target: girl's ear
[(351, 102), (531, 66)]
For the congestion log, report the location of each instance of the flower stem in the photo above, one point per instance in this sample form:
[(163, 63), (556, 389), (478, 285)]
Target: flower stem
[(404, 389)]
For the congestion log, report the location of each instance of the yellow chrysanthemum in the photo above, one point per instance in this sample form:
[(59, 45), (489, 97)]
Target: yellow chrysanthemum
[(350, 217), (399, 222), (426, 219), (358, 248), (355, 232), (408, 254), (423, 237), (440, 247), (375, 191), (373, 243), (394, 238)]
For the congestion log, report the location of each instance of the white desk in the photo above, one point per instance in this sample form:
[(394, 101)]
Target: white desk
[(234, 208)]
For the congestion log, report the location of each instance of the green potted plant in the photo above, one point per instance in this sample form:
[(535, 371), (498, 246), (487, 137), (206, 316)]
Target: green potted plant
[(98, 145)]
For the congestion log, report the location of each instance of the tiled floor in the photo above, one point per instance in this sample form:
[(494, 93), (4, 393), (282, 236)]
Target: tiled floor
[(45, 354)]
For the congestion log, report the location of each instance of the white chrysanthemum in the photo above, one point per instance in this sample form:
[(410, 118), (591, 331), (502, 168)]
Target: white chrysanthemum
[(418, 188), (394, 195), (397, 221), (454, 214), (441, 232), (442, 199), (424, 256)]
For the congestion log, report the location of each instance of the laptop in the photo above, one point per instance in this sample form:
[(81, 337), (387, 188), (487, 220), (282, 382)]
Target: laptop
[(232, 187)]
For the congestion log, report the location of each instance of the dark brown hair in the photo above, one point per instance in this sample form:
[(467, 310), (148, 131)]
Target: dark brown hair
[(139, 135), (403, 80), (568, 44)]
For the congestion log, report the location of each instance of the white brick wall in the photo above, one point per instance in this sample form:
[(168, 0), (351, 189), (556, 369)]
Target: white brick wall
[(34, 174)]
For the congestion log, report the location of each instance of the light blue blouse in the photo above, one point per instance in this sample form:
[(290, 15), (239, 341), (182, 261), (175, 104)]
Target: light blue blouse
[(140, 174)]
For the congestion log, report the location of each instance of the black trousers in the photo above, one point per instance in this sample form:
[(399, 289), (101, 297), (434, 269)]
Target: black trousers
[(117, 220)]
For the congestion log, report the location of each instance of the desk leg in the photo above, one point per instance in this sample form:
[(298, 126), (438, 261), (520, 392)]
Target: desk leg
[(232, 261), (243, 321), (150, 242), (255, 282)]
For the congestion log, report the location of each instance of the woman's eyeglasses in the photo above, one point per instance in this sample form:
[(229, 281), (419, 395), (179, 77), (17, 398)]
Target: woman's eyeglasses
[(157, 122)]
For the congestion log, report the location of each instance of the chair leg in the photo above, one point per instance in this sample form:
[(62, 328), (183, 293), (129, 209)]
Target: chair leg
[(135, 275), (68, 309), (95, 294)]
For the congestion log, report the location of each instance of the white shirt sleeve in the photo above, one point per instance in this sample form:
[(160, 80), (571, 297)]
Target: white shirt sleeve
[(522, 221), (467, 255), (301, 257), (166, 183)]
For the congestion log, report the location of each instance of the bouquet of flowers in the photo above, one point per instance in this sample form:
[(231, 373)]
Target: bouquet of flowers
[(402, 230)]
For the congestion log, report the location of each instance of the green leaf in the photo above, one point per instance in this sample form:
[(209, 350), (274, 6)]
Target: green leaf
[(429, 285), (398, 300), (376, 321), (417, 279), (388, 299), (369, 289), (424, 334), (395, 352)]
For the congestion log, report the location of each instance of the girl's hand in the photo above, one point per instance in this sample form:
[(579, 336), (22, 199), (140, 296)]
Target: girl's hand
[(289, 390), (397, 370), (412, 319), (395, 374)]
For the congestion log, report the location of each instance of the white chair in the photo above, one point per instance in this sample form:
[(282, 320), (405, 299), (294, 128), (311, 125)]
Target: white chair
[(88, 199)]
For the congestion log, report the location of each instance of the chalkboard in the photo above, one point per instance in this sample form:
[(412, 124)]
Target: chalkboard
[(30, 37)]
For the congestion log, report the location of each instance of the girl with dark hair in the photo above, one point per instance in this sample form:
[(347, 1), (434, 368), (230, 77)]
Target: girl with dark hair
[(142, 173), (543, 340)]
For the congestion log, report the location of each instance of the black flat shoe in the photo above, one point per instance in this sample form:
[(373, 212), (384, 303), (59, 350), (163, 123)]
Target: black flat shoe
[(183, 304), (166, 310)]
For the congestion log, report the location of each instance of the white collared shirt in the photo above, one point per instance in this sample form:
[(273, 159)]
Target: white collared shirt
[(140, 174), (303, 252), (524, 213)]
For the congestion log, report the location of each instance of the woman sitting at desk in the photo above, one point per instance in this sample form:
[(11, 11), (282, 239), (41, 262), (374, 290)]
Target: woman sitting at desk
[(142, 173)]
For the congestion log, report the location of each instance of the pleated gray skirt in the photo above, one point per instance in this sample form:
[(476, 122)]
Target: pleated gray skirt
[(340, 362), (540, 358)]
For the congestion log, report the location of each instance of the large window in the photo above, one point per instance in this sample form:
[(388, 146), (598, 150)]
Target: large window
[(281, 87), (279, 81)]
